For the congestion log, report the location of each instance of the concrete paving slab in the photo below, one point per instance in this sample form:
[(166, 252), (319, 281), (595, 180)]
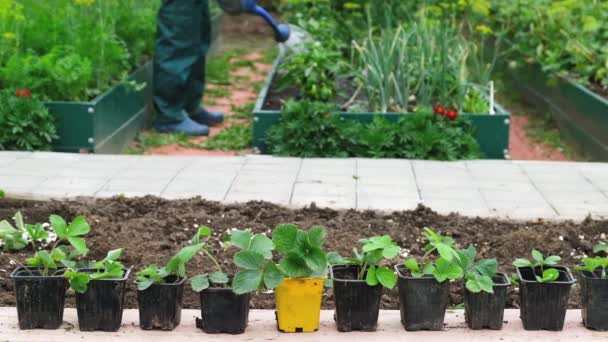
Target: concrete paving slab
[(492, 188), (262, 327)]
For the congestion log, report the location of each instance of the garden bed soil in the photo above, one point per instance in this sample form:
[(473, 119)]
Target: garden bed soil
[(152, 230)]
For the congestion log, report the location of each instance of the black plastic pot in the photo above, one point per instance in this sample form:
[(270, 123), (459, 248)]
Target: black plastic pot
[(486, 310), (422, 301), (543, 305), (40, 299), (594, 300), (100, 308), (222, 311), (357, 304), (160, 305)]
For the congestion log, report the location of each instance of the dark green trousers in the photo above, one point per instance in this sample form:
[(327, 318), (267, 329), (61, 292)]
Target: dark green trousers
[(182, 41)]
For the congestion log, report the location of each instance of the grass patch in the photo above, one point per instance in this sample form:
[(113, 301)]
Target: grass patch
[(217, 92), (233, 138), (219, 67), (242, 112), (149, 139), (270, 55)]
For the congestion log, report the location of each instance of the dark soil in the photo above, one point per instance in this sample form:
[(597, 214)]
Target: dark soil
[(151, 230)]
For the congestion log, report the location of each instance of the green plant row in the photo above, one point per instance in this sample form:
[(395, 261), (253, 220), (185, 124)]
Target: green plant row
[(302, 257), (315, 129)]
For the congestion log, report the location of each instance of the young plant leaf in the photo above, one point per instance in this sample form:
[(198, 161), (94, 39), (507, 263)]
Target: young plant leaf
[(293, 266), (200, 282), (284, 237), (78, 227), (218, 278), (241, 239), (522, 263), (371, 279), (263, 245), (536, 255), (412, 265), (549, 275), (386, 277), (316, 236), (246, 281), (78, 281), (249, 260), (272, 276), (59, 226)]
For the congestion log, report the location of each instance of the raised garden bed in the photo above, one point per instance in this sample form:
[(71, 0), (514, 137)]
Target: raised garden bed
[(492, 130), (150, 229), (109, 122), (581, 114)]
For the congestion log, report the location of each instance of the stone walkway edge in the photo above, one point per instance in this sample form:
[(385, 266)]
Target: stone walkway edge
[(262, 327), (520, 190)]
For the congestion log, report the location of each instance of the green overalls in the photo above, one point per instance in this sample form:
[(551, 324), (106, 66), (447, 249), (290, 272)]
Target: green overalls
[(182, 41)]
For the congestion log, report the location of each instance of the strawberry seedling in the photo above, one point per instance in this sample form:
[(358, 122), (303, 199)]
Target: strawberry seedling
[(108, 268), (591, 265), (303, 251), (18, 237), (547, 274), (374, 251), (445, 267), (601, 247), (478, 275), (65, 255)]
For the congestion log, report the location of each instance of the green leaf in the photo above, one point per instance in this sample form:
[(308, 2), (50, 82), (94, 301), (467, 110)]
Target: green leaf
[(19, 221), (145, 284), (536, 255), (284, 237), (46, 260), (487, 267), (473, 286), (78, 281), (5, 228), (79, 227), (36, 262), (241, 239), (294, 266), (412, 264), (272, 276), (446, 252), (57, 254), (199, 282), (218, 278), (371, 278), (188, 252), (387, 277), (79, 244), (486, 284), (552, 260), (249, 260), (316, 260), (246, 281), (203, 231), (390, 252), (428, 269), (316, 236), (446, 270), (550, 274), (334, 258), (113, 255), (59, 226), (522, 263), (263, 245)]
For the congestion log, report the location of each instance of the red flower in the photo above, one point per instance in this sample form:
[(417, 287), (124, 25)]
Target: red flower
[(451, 114), (439, 110), (23, 93)]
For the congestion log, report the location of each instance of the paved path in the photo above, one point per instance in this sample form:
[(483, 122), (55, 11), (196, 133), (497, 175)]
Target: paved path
[(515, 189), (262, 327)]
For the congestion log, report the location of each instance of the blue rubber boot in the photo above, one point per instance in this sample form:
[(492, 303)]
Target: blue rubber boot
[(205, 117), (187, 126)]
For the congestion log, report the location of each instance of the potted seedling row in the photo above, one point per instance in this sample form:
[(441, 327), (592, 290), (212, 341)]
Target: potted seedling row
[(304, 266), (594, 289), (358, 284), (544, 288), (423, 286), (40, 287), (225, 301), (485, 293)]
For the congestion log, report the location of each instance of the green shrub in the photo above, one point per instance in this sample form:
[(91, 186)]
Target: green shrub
[(314, 129), (25, 123)]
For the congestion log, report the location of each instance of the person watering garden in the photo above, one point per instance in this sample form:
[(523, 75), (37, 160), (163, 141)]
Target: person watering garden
[(182, 42)]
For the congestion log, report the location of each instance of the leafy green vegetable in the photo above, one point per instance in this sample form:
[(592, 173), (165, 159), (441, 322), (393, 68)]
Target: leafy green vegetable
[(446, 266), (108, 268), (547, 275), (375, 250), (592, 264), (18, 237), (304, 255), (478, 275)]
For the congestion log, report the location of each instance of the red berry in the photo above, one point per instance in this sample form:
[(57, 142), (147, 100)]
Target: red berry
[(439, 110), (27, 93), (451, 114), (19, 92)]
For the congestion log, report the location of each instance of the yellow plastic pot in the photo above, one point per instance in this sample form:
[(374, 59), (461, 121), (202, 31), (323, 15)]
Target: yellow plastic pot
[(299, 304)]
